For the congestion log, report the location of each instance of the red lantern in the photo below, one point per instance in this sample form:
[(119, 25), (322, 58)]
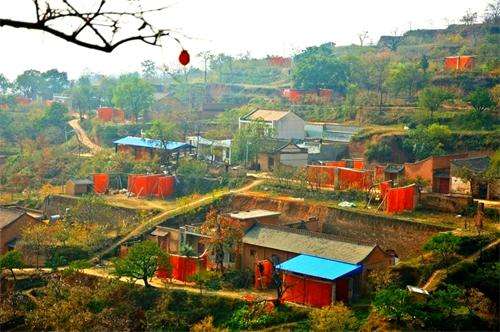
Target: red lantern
[(184, 57)]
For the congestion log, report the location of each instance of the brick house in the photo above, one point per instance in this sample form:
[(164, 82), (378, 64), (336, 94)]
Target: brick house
[(12, 223), (281, 244), (283, 153)]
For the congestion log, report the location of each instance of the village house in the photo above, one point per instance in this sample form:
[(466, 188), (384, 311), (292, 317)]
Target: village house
[(12, 222), (282, 153), (313, 258), (475, 185), (435, 170), (285, 124), (145, 148)]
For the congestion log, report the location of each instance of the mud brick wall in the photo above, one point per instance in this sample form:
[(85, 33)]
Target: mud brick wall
[(404, 236), (445, 203)]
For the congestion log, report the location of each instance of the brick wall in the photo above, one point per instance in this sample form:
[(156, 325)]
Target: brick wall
[(13, 231), (404, 236)]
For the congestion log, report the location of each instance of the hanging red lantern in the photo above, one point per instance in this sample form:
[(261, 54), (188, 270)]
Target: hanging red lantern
[(184, 57)]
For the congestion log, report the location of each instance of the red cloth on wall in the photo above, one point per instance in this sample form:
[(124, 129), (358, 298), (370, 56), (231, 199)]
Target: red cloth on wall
[(358, 164), (400, 199), (101, 183), (323, 176), (263, 280), (338, 163), (384, 186), (354, 179)]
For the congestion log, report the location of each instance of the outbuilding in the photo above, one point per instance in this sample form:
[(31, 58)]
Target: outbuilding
[(76, 187), (281, 153), (285, 124), (12, 222)]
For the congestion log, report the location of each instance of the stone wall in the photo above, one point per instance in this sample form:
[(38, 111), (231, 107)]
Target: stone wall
[(404, 236), (445, 203)]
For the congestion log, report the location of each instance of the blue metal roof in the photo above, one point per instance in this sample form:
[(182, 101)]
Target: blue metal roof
[(319, 267), (150, 143)]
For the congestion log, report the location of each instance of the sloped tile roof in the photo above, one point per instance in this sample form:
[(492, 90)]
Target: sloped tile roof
[(305, 242), (8, 216), (267, 115)]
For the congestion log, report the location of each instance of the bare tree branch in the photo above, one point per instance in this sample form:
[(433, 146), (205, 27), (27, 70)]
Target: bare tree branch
[(101, 23)]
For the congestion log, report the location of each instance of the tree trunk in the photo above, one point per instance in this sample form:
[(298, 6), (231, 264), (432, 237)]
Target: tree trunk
[(146, 282)]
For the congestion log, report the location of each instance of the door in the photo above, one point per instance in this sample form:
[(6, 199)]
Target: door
[(444, 185), (342, 290)]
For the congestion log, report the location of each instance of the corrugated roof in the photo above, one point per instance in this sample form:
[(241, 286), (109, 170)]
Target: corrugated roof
[(267, 115), (150, 143), (258, 213), (304, 242), (319, 267), (82, 181), (8, 216)]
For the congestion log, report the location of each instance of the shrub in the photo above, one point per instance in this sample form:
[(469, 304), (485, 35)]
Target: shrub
[(444, 244), (237, 279), (336, 317), (380, 152)]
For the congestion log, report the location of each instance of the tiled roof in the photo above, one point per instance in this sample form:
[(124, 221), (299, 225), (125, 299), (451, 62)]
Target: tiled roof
[(150, 143), (305, 242), (478, 164), (266, 115), (8, 216)]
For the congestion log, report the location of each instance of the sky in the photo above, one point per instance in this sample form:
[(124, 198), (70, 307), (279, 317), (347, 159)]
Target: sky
[(235, 27)]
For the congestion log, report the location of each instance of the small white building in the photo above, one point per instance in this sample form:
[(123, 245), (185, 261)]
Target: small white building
[(286, 124)]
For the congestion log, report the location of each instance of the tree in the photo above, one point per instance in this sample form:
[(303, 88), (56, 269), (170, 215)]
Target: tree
[(335, 317), (101, 20), (424, 63), (481, 100), (432, 98), (4, 84), (469, 18), (141, 262), (492, 13), (134, 95), (165, 132), (192, 174), (378, 65), (319, 67), (362, 36), (446, 301), (396, 303), (83, 96), (223, 235), (53, 82), (11, 260), (405, 76), (444, 244), (29, 83), (423, 142), (249, 140), (149, 70)]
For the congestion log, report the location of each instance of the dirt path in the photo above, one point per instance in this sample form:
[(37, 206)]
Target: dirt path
[(82, 136), (439, 275), (158, 219)]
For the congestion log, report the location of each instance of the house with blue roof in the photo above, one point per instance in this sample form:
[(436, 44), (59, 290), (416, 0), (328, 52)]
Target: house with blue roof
[(317, 268), (145, 148)]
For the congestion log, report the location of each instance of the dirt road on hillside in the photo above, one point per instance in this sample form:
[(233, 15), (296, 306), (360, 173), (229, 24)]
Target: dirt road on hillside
[(158, 219), (83, 138)]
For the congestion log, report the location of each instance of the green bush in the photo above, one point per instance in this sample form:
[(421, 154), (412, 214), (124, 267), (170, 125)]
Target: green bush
[(237, 279), (260, 315)]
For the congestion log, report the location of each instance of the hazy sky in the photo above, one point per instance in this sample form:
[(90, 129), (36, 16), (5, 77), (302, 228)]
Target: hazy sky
[(260, 27)]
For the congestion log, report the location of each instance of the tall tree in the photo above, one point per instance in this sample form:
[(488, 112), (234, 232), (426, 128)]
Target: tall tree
[(54, 82), (378, 65), (29, 83), (134, 95), (84, 96), (165, 132), (4, 84), (481, 100), (407, 77)]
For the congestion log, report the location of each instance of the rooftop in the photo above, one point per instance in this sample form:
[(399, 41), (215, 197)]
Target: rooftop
[(150, 143), (252, 214), (305, 242), (266, 115), (477, 164), (8, 216), (319, 267)]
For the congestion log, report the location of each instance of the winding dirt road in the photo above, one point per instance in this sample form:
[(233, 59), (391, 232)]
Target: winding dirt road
[(82, 136)]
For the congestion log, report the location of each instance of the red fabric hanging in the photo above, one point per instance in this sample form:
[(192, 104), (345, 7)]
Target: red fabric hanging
[(384, 186), (338, 163), (400, 199), (323, 176), (354, 179), (263, 280), (101, 183), (358, 164)]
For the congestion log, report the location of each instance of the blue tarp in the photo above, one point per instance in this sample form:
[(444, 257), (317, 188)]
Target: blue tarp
[(150, 143), (319, 267)]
